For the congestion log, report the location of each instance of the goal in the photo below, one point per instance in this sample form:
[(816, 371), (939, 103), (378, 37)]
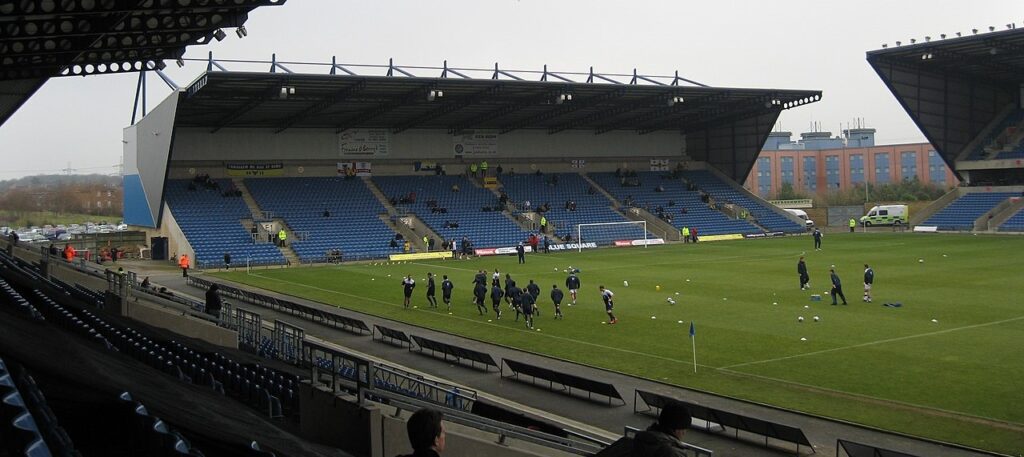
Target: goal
[(610, 232)]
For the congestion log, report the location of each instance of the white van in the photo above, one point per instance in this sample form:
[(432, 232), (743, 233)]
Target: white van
[(886, 215), (802, 215)]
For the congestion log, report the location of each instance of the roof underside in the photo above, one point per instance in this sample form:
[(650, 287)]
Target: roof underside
[(46, 38), (254, 100), (953, 88)]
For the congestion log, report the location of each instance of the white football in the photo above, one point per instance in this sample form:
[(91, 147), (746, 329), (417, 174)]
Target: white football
[(556, 268), (800, 319), (816, 318), (625, 283), (920, 260)]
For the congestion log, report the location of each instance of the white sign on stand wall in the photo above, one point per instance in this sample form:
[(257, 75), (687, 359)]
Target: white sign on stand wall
[(475, 143), (364, 142)]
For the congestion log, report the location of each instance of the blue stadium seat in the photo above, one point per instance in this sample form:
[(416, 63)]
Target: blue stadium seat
[(961, 213)]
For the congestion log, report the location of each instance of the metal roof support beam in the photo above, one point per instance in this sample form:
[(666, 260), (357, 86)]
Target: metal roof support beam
[(644, 78), (384, 108), (392, 69), (446, 70), (318, 107), (335, 67), (248, 106), (565, 108), (675, 81), (544, 76), (592, 75), (167, 80), (449, 106), (498, 72), (504, 110), (274, 65), (662, 110), (211, 64)]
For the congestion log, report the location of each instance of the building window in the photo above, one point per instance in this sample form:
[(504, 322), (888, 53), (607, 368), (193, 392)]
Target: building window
[(908, 165), (832, 171), (787, 170), (856, 168), (882, 167), (936, 168), (811, 173), (764, 173)]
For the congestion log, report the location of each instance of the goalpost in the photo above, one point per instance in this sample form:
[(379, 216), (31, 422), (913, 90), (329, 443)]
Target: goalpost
[(610, 225)]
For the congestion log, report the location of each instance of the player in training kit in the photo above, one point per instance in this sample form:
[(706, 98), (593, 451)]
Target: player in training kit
[(408, 284), (496, 294), (509, 284), (431, 298), (534, 290), (516, 294), (526, 303), (817, 239), (837, 288), (609, 304), (801, 268), (573, 284), (556, 298), (479, 292), (446, 291), (869, 279), (496, 278)]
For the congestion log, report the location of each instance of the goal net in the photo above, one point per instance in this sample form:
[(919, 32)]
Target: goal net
[(606, 233)]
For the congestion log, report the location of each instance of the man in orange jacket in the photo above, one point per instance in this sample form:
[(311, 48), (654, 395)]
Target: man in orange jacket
[(69, 253), (183, 263)]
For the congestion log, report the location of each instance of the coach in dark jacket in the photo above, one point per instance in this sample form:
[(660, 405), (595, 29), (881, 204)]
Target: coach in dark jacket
[(213, 302), (801, 268)]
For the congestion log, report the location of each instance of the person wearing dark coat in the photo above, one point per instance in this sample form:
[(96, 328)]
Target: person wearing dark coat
[(526, 303), (213, 301), (426, 433), (496, 294), (227, 260), (509, 284), (479, 292), (573, 284), (801, 269), (521, 252), (534, 290), (663, 438), (556, 298), (817, 239), (837, 288), (431, 291)]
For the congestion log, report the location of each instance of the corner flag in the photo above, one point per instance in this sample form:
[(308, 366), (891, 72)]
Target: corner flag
[(693, 343)]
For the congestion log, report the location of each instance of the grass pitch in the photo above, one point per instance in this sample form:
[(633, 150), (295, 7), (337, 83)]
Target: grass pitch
[(947, 365)]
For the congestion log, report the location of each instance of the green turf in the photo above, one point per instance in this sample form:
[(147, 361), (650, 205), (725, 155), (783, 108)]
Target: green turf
[(957, 379)]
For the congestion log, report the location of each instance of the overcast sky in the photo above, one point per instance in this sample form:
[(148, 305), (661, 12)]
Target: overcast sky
[(77, 121)]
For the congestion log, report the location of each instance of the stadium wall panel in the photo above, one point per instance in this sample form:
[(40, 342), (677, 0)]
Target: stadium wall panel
[(147, 146)]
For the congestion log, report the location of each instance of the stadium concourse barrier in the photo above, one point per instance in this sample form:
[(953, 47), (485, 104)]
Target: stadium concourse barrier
[(330, 319), (460, 354), (392, 336), (770, 430), (852, 449), (566, 380)]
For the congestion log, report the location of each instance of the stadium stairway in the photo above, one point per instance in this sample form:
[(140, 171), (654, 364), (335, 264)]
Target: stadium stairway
[(414, 235), (526, 221), (768, 216), (247, 196), (1010, 219)]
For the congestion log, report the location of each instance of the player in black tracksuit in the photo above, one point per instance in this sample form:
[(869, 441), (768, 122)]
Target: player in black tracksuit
[(573, 284), (516, 293), (801, 268), (408, 284), (521, 251), (534, 290), (431, 291), (496, 294), (837, 288), (509, 284), (479, 293), (446, 291), (527, 304), (556, 298)]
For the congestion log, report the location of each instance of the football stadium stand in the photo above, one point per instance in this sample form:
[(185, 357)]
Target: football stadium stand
[(962, 212), (558, 190), (353, 224), (722, 192), (1005, 141), (673, 200), (1014, 224), (213, 226), (466, 207)]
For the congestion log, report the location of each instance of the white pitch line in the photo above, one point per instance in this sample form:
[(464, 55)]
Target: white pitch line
[(586, 343), (872, 343)]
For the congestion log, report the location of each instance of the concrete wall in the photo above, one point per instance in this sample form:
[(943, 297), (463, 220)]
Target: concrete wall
[(184, 325), (147, 145), (338, 421), (324, 144), (177, 244)]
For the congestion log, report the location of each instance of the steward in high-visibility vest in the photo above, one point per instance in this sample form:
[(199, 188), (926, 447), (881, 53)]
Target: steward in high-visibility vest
[(184, 264), (686, 234), (281, 236), (853, 224)]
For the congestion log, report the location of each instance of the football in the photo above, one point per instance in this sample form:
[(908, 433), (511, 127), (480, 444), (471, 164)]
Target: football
[(800, 319)]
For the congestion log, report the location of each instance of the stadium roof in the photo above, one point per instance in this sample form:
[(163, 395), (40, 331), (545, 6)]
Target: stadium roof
[(288, 100), (47, 38), (953, 87)]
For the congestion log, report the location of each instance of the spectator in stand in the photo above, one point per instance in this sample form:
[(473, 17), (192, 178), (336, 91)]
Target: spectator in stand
[(426, 433), (213, 301), (455, 188), (660, 188), (430, 244), (498, 170), (327, 213), (145, 283), (663, 438), (393, 243)]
